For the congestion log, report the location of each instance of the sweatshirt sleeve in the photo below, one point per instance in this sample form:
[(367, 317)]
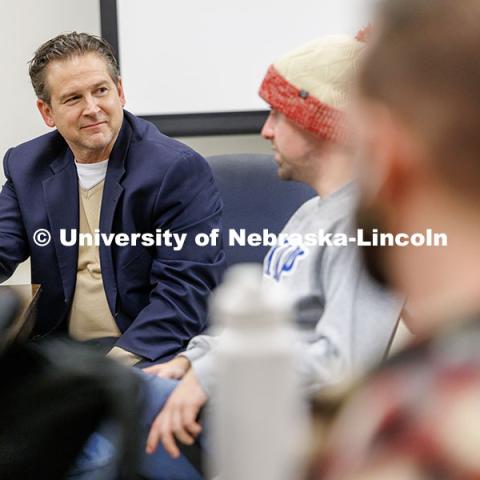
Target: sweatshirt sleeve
[(352, 332), (204, 369), (199, 346), (357, 322)]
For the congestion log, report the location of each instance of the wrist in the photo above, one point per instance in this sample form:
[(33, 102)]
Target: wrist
[(183, 361)]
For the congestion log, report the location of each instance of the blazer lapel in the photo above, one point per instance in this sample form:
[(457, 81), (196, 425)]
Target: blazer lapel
[(112, 191), (61, 198)]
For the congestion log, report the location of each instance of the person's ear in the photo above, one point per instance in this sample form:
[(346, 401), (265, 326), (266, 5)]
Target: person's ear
[(394, 156), (46, 112), (404, 157), (121, 92)]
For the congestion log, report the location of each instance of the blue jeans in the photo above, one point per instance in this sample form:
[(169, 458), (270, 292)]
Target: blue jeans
[(98, 459)]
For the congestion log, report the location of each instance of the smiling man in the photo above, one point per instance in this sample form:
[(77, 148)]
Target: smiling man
[(105, 170)]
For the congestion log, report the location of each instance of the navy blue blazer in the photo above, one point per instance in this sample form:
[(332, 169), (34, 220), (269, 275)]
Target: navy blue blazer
[(157, 296)]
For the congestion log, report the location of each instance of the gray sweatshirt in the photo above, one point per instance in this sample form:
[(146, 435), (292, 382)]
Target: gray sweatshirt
[(344, 319)]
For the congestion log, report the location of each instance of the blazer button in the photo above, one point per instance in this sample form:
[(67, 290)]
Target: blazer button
[(116, 315)]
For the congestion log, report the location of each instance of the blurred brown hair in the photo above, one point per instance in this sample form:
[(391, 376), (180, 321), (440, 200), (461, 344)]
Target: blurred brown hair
[(424, 63)]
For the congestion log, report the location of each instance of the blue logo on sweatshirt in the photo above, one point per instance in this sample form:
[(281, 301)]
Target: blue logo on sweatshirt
[(281, 260)]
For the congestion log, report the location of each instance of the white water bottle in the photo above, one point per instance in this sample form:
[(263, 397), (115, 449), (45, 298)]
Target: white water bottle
[(257, 420)]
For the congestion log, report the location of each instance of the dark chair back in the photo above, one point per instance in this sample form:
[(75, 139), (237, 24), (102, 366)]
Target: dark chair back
[(54, 396), (254, 199)]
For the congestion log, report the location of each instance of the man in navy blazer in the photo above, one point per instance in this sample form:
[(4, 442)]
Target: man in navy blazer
[(155, 296)]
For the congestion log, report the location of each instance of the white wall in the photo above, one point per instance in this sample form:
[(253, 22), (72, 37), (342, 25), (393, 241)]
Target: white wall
[(211, 55), (24, 26)]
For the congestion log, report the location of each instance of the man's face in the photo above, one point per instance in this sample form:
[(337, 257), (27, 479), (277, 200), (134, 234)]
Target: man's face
[(86, 106), (293, 146)]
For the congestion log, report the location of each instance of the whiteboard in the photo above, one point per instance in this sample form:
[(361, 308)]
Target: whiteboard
[(209, 56)]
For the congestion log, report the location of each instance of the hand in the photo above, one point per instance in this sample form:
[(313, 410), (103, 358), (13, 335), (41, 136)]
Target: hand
[(175, 368), (178, 418)]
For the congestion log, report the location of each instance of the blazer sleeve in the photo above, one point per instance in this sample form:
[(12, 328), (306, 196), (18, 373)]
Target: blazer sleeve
[(187, 202), (14, 247)]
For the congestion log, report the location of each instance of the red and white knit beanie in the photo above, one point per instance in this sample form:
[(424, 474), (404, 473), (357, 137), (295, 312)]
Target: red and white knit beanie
[(312, 85)]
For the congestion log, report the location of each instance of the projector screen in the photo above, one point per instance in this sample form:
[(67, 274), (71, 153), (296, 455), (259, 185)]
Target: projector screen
[(196, 66)]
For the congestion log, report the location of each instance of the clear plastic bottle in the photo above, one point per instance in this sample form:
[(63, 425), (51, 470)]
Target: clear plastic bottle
[(258, 417)]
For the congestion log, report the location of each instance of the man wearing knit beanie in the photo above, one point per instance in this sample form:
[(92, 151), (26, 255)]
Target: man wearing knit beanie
[(349, 318)]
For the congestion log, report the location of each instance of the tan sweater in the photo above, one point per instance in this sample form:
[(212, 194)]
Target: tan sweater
[(90, 315)]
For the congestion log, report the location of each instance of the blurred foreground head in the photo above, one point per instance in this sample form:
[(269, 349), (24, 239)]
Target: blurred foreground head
[(417, 120)]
